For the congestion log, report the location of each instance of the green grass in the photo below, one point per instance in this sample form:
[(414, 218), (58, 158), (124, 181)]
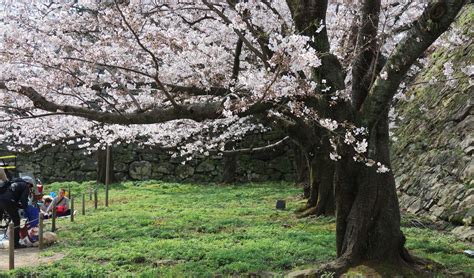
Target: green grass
[(204, 230)]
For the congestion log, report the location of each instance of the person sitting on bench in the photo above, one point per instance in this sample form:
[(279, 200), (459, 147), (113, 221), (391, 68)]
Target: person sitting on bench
[(61, 203)]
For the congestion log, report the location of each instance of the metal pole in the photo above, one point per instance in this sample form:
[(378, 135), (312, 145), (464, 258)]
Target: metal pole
[(83, 204), (72, 209), (107, 175), (40, 235), (11, 247)]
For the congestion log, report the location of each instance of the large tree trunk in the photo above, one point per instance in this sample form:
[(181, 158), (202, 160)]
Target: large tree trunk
[(101, 166), (321, 175), (368, 215), (229, 168), (229, 161), (302, 170)]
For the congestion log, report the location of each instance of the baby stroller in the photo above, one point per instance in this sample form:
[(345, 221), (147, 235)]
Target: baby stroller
[(9, 163)]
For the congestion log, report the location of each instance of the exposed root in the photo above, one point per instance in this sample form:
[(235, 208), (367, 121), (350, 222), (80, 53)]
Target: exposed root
[(302, 209), (333, 269), (308, 212), (339, 267), (316, 210), (336, 268)]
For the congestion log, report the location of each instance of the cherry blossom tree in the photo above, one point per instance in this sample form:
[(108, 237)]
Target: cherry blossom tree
[(202, 73)]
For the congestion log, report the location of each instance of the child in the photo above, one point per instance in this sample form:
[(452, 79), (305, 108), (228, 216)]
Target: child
[(44, 208)]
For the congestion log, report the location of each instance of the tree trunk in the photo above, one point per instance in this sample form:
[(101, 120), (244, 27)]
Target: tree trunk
[(230, 167), (101, 166), (368, 215), (321, 200), (302, 170)]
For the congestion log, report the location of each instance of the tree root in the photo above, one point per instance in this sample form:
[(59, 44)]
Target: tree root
[(311, 211), (302, 209), (420, 268), (308, 212)]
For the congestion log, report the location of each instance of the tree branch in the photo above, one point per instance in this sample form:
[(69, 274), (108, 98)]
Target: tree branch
[(366, 49), (153, 56), (308, 17), (236, 67), (239, 33), (434, 21), (195, 111), (258, 149)]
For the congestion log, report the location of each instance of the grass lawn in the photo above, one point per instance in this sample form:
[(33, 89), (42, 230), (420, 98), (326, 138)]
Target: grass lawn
[(165, 229)]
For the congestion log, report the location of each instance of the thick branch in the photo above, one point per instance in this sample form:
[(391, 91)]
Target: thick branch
[(195, 111), (434, 21), (308, 17), (366, 49), (236, 67), (193, 91)]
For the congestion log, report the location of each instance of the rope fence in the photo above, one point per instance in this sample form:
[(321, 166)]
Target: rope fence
[(41, 225)]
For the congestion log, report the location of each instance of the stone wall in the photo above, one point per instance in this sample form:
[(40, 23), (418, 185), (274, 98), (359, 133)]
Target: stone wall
[(62, 163), (433, 152)]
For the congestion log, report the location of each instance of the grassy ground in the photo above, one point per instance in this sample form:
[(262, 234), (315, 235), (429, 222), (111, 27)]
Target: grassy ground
[(165, 229)]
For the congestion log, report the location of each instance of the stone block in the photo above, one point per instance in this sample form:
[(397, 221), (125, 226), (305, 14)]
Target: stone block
[(464, 233), (140, 170), (184, 171), (120, 167), (468, 218), (205, 166), (164, 168), (415, 206)]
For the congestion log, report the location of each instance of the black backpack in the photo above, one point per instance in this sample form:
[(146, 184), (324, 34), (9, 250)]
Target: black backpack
[(4, 185)]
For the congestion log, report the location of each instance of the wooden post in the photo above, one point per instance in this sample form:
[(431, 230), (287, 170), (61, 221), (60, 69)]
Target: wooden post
[(107, 175), (69, 192), (95, 198), (90, 193), (83, 204), (106, 195), (53, 222), (72, 209), (40, 234), (11, 247)]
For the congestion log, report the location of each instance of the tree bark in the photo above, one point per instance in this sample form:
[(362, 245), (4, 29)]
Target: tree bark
[(368, 214), (302, 170), (230, 167), (101, 166), (321, 175)]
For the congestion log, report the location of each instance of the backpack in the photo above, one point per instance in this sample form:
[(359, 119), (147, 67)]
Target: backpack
[(4, 185)]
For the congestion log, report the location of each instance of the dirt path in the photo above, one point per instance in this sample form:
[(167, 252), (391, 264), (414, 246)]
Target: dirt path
[(26, 257)]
